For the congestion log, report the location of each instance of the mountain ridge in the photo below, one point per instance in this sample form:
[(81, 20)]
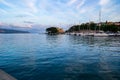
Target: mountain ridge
[(3, 30)]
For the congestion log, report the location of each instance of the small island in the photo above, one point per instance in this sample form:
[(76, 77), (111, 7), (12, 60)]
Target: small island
[(54, 30)]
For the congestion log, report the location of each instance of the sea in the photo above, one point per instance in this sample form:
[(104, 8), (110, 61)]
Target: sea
[(60, 57)]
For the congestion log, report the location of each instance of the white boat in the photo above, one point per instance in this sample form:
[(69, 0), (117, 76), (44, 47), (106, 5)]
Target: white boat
[(82, 34), (72, 33), (112, 34), (90, 34), (100, 35)]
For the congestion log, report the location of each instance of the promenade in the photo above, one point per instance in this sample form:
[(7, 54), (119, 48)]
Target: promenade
[(5, 76)]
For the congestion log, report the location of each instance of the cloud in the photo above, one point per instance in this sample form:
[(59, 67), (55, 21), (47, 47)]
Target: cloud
[(72, 2), (19, 25), (31, 4), (1, 23), (76, 3), (29, 22), (104, 2), (24, 14), (7, 3), (83, 10), (21, 16), (82, 2), (3, 11), (110, 10), (51, 12)]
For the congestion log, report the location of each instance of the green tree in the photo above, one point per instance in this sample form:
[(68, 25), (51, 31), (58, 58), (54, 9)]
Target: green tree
[(111, 28), (52, 30), (94, 26)]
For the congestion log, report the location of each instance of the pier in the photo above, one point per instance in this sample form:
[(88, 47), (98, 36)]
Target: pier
[(5, 76)]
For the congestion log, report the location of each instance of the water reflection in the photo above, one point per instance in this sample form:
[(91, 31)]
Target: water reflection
[(100, 65), (53, 39), (97, 41)]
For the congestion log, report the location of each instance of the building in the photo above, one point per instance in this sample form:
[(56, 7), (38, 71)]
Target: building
[(60, 30)]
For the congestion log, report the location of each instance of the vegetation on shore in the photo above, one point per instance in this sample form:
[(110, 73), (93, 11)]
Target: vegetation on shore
[(111, 27), (88, 27)]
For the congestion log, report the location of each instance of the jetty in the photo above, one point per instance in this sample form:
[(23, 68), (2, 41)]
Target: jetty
[(5, 76)]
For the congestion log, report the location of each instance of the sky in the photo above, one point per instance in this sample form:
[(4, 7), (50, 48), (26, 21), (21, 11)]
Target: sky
[(25, 13)]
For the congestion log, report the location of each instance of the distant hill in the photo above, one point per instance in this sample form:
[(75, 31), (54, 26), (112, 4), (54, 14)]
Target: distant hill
[(11, 31), (33, 29)]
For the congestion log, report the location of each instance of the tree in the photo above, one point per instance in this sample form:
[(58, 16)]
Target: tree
[(93, 26), (111, 28), (52, 30)]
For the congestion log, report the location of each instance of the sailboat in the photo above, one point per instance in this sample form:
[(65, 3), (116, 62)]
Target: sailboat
[(100, 33)]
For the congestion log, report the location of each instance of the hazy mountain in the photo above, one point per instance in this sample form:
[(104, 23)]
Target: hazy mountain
[(35, 28), (32, 29), (11, 31)]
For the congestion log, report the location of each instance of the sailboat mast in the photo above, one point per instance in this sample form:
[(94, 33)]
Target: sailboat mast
[(99, 19), (100, 16), (79, 26)]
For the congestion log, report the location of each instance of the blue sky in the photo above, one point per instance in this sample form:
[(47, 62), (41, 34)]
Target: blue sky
[(56, 12)]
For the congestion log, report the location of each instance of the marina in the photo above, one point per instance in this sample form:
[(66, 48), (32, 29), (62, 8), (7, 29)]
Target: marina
[(99, 34)]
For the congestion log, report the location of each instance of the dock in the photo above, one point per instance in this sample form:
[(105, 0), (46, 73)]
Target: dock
[(5, 76)]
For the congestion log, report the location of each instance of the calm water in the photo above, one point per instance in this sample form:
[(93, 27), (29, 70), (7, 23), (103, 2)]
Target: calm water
[(61, 57)]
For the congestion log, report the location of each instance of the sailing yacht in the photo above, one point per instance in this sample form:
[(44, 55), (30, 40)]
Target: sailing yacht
[(100, 33)]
